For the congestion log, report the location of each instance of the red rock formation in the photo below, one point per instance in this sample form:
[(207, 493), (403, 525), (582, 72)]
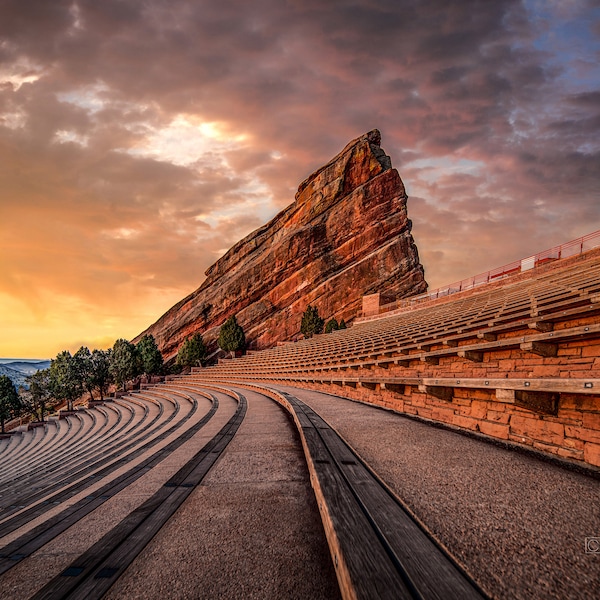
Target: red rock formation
[(347, 234)]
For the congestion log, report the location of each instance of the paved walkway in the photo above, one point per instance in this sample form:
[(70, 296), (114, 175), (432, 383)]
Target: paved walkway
[(250, 530), (516, 523)]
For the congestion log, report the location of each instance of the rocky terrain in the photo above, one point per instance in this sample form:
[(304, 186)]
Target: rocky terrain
[(346, 234)]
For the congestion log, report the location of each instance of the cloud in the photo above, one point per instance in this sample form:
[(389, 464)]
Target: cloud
[(139, 141)]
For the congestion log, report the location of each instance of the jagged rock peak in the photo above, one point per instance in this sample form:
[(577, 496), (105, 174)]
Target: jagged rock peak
[(346, 234), (363, 157)]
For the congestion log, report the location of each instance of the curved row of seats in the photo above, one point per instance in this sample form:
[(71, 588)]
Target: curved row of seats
[(87, 435), (47, 464), (46, 443), (531, 316)]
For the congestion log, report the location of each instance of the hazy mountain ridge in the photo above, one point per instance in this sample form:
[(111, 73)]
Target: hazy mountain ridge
[(19, 369)]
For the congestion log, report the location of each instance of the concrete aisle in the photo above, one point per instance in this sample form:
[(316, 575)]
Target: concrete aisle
[(251, 530), (517, 523)]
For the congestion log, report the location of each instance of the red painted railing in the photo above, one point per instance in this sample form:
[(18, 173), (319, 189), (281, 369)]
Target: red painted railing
[(572, 248)]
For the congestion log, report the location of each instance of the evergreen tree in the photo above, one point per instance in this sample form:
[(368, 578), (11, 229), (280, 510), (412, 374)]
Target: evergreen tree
[(36, 399), (83, 358), (124, 363), (65, 378), (192, 352), (9, 400), (231, 336), (183, 354), (150, 356), (101, 377), (332, 325), (342, 324), (312, 323)]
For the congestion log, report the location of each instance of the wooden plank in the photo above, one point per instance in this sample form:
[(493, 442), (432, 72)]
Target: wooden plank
[(573, 386), (361, 517)]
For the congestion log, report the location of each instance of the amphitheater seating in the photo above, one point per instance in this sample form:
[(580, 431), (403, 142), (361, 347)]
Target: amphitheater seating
[(47, 464), (527, 347)]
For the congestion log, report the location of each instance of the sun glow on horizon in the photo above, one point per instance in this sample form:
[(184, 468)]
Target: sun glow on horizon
[(138, 145), (30, 332)]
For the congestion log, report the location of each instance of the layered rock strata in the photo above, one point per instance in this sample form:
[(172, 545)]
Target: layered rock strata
[(346, 234)]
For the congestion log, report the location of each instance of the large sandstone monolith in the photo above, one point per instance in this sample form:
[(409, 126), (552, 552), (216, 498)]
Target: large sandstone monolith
[(347, 234)]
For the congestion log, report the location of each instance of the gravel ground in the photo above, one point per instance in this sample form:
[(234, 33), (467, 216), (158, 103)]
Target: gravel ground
[(251, 530), (516, 523)]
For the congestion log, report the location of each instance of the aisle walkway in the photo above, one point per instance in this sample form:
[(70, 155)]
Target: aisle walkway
[(250, 530), (518, 524)]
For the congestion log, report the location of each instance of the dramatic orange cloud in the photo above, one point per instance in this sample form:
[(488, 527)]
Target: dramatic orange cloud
[(139, 141)]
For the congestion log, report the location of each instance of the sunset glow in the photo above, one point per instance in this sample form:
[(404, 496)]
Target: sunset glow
[(139, 141)]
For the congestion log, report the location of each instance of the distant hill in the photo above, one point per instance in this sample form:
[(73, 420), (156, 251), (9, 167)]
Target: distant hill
[(18, 370), (29, 367)]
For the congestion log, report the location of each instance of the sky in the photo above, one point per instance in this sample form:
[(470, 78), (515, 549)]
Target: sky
[(139, 140)]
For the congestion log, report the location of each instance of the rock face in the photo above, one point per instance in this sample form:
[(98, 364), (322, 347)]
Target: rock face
[(347, 234)]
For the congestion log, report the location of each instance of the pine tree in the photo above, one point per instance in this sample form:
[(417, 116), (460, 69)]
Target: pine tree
[(83, 356), (192, 352), (231, 336), (36, 399), (101, 377), (342, 324), (66, 381), (124, 363), (311, 323), (9, 400), (150, 356)]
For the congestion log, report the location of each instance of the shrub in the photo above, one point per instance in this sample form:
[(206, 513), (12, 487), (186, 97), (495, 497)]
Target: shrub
[(332, 325)]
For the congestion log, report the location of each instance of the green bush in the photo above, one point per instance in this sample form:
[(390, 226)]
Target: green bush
[(332, 325)]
